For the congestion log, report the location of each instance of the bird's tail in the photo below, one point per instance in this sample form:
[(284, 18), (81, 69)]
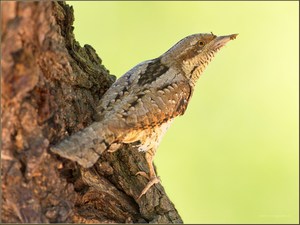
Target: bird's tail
[(86, 146)]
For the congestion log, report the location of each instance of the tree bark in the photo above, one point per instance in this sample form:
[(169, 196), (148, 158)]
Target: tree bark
[(50, 88)]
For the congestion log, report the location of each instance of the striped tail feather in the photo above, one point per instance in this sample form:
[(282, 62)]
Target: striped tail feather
[(86, 146)]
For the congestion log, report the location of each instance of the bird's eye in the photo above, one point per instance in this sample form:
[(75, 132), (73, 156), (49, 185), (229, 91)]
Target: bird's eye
[(201, 43)]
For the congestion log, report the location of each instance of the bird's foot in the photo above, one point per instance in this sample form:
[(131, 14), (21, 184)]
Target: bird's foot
[(113, 147), (142, 173), (152, 180)]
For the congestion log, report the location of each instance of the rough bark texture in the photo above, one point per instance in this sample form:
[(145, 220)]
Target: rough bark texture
[(50, 87)]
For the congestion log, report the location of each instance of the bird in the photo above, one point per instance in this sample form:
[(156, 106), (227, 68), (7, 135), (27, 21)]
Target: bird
[(142, 104)]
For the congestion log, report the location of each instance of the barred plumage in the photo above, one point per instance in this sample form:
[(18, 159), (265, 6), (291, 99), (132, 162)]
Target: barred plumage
[(141, 105)]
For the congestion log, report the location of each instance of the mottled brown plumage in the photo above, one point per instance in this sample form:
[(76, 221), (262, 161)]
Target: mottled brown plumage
[(141, 105)]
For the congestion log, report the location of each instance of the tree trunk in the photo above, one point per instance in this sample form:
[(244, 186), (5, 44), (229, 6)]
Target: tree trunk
[(50, 87)]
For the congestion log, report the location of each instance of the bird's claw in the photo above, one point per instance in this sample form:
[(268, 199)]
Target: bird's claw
[(152, 181), (142, 173)]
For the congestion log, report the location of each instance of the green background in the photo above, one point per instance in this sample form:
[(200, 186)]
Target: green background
[(233, 157)]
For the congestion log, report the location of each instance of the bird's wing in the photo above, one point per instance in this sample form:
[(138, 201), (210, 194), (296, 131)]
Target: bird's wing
[(155, 106), (141, 102)]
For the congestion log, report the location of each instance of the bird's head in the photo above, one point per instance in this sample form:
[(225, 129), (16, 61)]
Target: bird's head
[(192, 54)]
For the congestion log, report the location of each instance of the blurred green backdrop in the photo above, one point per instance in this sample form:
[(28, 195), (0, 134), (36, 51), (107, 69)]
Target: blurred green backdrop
[(233, 157)]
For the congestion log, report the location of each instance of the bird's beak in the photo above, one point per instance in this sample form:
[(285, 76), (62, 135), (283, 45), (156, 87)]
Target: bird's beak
[(222, 40)]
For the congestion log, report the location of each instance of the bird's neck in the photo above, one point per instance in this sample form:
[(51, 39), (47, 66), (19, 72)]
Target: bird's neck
[(193, 70)]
